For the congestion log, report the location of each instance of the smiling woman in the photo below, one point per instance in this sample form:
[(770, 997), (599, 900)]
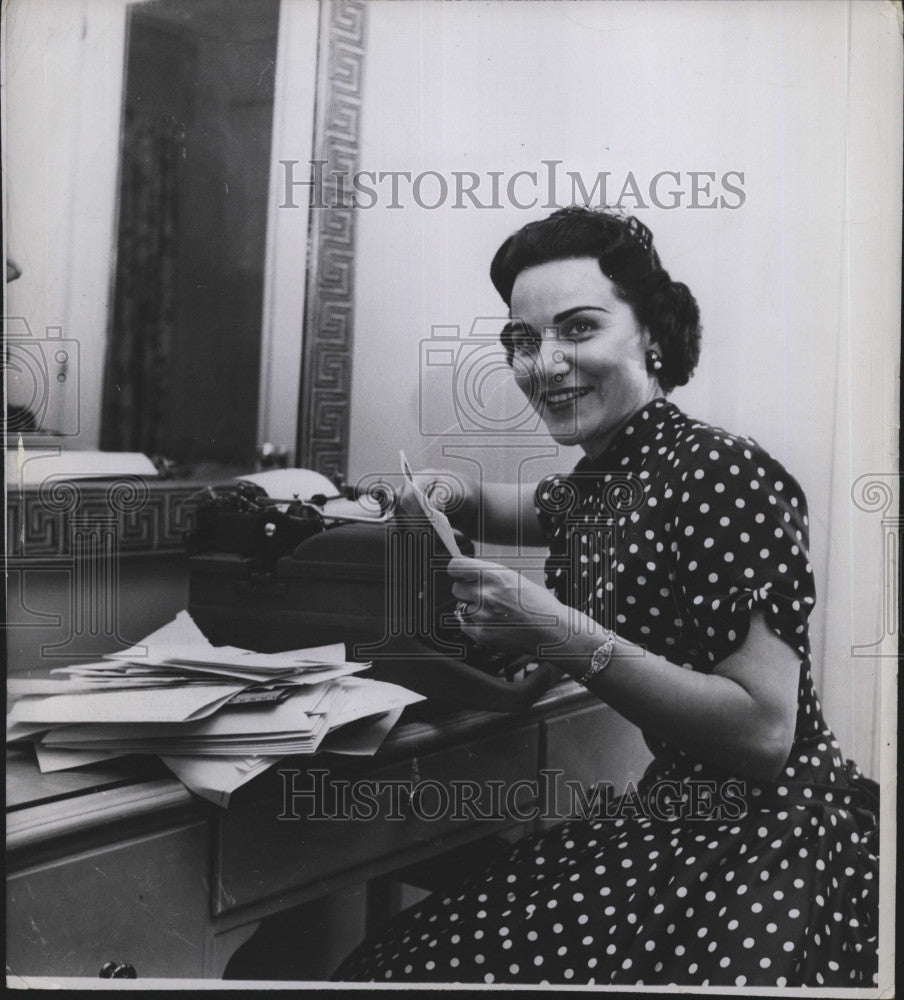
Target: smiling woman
[(678, 590)]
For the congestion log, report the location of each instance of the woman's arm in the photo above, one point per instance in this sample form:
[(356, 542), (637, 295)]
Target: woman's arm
[(500, 513), (506, 509), (740, 717)]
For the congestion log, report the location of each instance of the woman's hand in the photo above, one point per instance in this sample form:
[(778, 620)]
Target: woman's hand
[(505, 611)]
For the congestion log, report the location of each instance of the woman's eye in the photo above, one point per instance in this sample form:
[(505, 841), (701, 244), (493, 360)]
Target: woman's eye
[(581, 327)]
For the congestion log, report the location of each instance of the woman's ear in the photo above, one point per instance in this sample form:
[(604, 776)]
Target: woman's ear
[(646, 338)]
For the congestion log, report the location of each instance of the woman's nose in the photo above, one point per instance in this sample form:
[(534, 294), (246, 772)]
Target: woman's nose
[(555, 359)]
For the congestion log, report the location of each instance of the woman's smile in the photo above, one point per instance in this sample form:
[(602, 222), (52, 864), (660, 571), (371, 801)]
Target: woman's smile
[(561, 400)]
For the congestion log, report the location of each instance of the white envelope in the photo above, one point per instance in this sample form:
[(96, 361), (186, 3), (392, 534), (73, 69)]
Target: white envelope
[(363, 742), (169, 704), (58, 759), (181, 641), (289, 716), (213, 779)]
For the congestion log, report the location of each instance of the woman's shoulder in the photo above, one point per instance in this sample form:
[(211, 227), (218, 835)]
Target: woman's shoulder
[(698, 435), (710, 454)]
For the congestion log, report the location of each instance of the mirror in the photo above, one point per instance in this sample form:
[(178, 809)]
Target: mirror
[(184, 343)]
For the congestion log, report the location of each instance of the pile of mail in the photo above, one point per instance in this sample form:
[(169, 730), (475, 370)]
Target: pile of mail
[(216, 715)]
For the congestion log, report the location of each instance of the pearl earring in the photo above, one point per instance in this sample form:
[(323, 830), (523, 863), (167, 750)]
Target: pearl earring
[(654, 361)]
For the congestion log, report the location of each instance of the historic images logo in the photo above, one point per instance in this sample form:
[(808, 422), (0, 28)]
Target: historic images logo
[(547, 187), (322, 797)]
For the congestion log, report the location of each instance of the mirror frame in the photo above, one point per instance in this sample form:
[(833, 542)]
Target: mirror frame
[(324, 404)]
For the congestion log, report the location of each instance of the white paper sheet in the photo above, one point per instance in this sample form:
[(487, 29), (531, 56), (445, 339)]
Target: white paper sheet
[(183, 642), (24, 730), (290, 716), (170, 704), (41, 464), (19, 687), (216, 780), (52, 759), (364, 697), (363, 742), (286, 484), (436, 517)]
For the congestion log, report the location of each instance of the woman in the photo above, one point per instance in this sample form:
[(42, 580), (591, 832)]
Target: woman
[(679, 592)]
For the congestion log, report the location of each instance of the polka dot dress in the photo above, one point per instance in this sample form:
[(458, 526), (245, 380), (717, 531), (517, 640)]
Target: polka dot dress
[(673, 537)]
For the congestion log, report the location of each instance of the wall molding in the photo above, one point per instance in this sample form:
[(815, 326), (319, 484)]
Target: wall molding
[(326, 366)]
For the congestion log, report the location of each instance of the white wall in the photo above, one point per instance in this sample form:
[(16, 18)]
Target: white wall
[(793, 314), (623, 88)]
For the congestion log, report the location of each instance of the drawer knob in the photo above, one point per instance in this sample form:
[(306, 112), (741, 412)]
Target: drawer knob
[(117, 970)]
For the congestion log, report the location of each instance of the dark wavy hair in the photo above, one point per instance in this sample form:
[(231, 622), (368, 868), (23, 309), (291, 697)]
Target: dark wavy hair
[(624, 248)]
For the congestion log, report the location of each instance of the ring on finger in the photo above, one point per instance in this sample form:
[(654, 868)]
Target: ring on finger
[(462, 610)]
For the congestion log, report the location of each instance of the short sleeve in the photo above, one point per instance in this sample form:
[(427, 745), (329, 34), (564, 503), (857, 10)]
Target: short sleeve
[(740, 541)]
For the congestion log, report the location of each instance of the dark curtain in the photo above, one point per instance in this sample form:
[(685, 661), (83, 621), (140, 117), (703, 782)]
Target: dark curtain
[(142, 323)]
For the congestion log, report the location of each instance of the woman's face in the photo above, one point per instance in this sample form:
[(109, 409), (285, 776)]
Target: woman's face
[(579, 352)]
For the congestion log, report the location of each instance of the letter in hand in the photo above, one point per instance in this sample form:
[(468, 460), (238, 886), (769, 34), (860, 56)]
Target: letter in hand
[(436, 517)]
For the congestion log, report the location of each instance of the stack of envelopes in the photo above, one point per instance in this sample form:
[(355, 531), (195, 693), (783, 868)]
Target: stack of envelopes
[(217, 716)]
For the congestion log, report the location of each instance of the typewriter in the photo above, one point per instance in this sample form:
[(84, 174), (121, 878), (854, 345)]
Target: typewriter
[(325, 565)]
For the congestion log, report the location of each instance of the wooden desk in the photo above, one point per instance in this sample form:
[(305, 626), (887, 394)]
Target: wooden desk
[(123, 863)]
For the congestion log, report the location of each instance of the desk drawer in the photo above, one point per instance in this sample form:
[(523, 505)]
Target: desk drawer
[(258, 854), (142, 902)]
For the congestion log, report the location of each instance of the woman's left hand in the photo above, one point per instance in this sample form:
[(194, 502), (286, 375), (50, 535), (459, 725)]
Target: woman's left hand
[(504, 610)]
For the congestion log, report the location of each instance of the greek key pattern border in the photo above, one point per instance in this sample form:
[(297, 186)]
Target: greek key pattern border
[(326, 368), (148, 519)]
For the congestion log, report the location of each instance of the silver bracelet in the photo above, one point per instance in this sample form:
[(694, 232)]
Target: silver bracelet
[(600, 658)]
